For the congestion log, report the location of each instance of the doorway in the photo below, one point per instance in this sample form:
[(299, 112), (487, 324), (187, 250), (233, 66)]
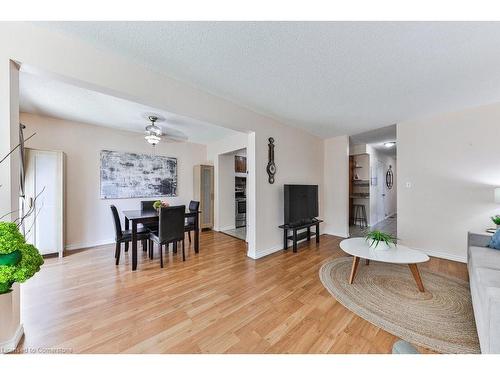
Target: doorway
[(232, 193), (372, 185)]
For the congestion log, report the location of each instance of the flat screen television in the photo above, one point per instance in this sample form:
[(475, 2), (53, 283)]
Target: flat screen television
[(301, 203)]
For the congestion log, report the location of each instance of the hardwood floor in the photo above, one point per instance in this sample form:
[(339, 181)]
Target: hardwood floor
[(218, 301)]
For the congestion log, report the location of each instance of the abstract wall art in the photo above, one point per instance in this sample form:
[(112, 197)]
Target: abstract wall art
[(130, 175)]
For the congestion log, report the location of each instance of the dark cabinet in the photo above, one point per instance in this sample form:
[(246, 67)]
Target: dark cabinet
[(240, 164)]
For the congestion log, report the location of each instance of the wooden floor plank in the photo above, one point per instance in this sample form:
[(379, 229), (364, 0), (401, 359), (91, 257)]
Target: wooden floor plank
[(217, 301)]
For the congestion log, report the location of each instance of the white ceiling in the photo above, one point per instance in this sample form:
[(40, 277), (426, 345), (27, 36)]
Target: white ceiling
[(50, 97), (330, 78)]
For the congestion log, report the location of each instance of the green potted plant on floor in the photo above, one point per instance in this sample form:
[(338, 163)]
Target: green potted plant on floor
[(496, 220), (19, 261), (380, 240)]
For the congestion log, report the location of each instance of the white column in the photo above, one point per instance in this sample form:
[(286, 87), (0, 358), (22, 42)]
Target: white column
[(11, 329), (251, 197)]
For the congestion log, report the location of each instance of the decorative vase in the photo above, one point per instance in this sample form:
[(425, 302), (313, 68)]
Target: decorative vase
[(11, 329), (10, 259), (498, 226)]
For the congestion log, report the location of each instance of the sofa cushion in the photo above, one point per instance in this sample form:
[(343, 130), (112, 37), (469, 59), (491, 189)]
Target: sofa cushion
[(483, 257)]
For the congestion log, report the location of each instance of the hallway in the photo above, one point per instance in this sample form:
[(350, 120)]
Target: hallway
[(388, 225)]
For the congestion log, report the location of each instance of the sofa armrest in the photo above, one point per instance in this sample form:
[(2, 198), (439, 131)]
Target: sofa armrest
[(478, 239)]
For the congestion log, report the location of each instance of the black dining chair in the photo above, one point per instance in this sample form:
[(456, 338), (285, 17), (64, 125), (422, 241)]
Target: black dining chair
[(170, 229), (125, 236), (190, 221), (148, 206)]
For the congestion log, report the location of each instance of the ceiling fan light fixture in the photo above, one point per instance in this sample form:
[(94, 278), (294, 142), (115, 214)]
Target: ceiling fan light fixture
[(152, 139), (153, 132)]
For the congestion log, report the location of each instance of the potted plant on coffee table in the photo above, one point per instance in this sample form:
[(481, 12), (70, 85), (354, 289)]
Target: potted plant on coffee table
[(380, 240)]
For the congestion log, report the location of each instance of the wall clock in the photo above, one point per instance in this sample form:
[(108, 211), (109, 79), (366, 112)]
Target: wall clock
[(271, 167), (389, 178)]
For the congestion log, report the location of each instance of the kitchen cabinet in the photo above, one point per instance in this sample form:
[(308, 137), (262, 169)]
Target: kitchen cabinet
[(240, 164)]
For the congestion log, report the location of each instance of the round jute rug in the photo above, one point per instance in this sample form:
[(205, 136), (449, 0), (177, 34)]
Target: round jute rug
[(386, 295)]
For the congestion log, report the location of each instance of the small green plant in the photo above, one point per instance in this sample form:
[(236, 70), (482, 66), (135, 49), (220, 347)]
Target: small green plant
[(496, 219), (23, 266), (10, 238), (158, 204), (377, 236)]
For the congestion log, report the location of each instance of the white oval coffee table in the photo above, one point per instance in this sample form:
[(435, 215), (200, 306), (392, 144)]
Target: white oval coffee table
[(399, 254)]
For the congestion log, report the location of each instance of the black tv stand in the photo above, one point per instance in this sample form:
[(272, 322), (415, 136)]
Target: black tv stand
[(295, 237)]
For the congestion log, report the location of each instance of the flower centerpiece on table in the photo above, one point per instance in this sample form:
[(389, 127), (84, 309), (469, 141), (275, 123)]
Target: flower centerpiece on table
[(158, 204)]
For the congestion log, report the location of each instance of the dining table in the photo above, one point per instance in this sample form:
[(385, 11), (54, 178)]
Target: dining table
[(135, 217)]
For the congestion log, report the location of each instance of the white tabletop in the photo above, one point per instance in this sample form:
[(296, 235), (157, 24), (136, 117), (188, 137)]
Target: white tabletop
[(359, 247)]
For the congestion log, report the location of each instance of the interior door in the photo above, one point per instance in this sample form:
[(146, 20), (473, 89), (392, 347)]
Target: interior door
[(207, 191), (45, 194)]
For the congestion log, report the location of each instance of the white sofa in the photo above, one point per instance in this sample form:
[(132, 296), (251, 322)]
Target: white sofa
[(483, 264)]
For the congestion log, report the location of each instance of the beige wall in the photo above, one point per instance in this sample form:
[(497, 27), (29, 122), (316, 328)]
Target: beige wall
[(88, 218), (336, 186), (299, 160), (451, 164)]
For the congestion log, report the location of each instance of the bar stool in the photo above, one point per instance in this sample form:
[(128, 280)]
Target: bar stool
[(360, 215)]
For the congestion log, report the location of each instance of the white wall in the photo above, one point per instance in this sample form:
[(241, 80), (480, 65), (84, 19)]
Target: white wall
[(336, 186), (227, 144), (452, 165), (88, 218)]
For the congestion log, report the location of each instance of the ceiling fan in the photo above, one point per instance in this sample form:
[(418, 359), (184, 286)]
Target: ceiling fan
[(154, 133)]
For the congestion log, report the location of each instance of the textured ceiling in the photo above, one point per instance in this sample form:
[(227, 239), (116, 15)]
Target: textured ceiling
[(329, 78), (49, 97)]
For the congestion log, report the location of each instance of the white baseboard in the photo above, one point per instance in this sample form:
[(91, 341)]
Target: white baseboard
[(262, 253), (336, 234), (85, 245), (227, 227), (11, 344), (444, 255), (273, 249)]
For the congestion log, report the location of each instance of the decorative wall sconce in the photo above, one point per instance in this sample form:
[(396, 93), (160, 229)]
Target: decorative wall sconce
[(271, 167), (389, 178)]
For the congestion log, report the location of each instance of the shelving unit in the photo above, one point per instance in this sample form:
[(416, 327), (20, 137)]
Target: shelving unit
[(359, 188)]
